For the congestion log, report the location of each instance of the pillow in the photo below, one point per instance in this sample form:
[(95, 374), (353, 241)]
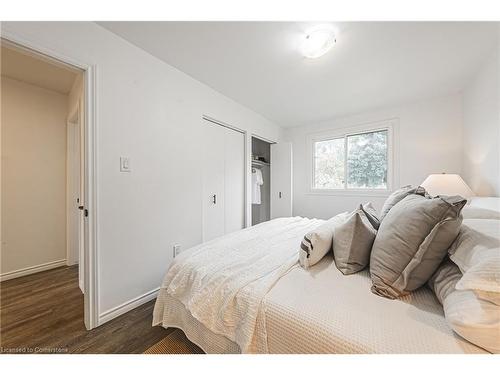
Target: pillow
[(444, 280), (318, 242), (476, 238), (492, 297), (412, 241), (471, 212), (475, 319), (398, 196), (489, 203), (476, 251), (484, 275), (353, 239)]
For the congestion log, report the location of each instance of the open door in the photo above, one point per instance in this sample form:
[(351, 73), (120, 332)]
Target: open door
[(281, 180)]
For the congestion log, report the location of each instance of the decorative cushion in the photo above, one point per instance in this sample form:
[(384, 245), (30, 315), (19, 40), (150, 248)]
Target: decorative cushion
[(475, 319), (353, 239), (398, 196), (412, 241), (318, 242)]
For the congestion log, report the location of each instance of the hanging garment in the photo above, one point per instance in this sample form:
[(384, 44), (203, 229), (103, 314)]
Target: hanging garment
[(257, 181)]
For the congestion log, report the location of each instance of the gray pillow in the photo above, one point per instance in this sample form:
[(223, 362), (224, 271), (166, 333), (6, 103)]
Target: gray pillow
[(412, 241), (353, 240), (398, 196)]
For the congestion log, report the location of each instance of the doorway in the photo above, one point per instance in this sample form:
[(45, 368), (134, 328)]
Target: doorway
[(46, 162), (261, 180)]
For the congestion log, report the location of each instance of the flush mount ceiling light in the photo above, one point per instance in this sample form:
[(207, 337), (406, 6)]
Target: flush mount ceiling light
[(317, 42)]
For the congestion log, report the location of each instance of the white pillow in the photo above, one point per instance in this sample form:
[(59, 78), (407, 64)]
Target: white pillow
[(482, 208), (471, 212), (475, 319), (477, 239), (488, 296), (490, 203), (483, 275), (318, 242), (476, 251)]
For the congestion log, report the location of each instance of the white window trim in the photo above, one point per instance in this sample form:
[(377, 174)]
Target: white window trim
[(392, 127)]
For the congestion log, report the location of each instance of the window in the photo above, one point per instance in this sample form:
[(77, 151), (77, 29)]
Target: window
[(357, 160)]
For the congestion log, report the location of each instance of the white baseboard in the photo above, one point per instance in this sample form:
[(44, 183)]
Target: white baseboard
[(112, 313), (33, 269)]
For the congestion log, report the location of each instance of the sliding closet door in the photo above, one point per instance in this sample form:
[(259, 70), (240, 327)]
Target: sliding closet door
[(223, 180), (281, 180), (234, 179), (213, 180)]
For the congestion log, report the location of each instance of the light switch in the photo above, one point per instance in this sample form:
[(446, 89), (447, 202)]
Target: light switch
[(124, 164)]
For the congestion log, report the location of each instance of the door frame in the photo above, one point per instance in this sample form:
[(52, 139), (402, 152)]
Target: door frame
[(91, 266), (247, 167)]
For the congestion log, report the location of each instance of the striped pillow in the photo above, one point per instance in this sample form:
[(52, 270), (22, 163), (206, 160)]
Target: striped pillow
[(318, 242)]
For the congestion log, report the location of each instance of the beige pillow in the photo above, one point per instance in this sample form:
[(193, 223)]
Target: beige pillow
[(475, 319), (398, 196), (353, 239), (412, 241), (318, 242)]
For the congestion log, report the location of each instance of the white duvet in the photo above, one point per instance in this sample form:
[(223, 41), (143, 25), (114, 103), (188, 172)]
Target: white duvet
[(222, 282)]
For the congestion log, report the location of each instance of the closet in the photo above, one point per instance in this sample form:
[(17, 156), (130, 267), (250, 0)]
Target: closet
[(261, 181), (223, 179), (271, 173)]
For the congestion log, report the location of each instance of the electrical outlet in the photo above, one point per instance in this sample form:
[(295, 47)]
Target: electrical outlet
[(177, 250)]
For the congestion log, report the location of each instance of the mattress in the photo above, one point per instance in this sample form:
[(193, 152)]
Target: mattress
[(322, 311)]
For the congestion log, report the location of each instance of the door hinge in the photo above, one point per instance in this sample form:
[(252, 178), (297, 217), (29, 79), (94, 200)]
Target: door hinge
[(86, 212)]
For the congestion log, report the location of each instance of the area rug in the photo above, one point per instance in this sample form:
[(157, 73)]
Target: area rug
[(174, 343)]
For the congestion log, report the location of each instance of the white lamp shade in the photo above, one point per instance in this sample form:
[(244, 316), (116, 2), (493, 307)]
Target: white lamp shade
[(447, 184)]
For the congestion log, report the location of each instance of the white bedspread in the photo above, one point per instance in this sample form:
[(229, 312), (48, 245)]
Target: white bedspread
[(222, 282)]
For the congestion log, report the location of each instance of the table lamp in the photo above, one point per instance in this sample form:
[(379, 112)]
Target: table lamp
[(447, 184)]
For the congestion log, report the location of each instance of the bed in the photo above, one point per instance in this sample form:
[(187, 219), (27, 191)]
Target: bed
[(269, 304)]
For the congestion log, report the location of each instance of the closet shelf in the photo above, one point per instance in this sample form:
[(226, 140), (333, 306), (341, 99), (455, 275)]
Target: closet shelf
[(259, 163)]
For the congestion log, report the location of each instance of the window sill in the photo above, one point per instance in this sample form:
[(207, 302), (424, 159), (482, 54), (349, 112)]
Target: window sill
[(351, 193)]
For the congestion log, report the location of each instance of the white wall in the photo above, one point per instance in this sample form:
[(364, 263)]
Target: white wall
[(430, 141), (33, 176), (151, 112), (481, 107)]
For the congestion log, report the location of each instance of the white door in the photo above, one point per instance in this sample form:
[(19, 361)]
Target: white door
[(213, 180), (73, 194), (281, 180), (223, 180)]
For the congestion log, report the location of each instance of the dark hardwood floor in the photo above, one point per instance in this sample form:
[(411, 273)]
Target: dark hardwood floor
[(44, 312)]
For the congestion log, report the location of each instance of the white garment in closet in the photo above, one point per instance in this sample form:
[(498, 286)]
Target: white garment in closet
[(257, 181)]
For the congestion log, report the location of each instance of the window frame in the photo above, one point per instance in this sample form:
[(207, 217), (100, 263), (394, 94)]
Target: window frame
[(391, 126)]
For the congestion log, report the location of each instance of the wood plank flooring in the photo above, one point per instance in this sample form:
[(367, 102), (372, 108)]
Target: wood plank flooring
[(45, 311)]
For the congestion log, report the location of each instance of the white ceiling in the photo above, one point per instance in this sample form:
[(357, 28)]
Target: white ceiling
[(373, 64), (38, 71)]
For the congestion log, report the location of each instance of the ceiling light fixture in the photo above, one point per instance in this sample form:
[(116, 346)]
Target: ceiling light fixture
[(317, 42)]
